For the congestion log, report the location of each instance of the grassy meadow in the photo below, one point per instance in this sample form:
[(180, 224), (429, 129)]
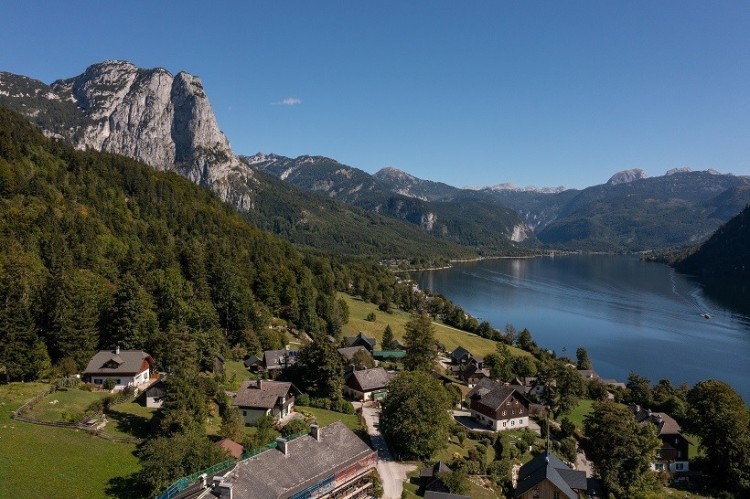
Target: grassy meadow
[(397, 319), (42, 461)]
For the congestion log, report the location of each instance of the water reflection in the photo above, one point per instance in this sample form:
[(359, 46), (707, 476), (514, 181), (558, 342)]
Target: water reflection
[(629, 314)]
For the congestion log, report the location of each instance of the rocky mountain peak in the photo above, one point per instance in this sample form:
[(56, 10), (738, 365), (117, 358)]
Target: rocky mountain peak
[(394, 174), (150, 115), (685, 169), (627, 176)]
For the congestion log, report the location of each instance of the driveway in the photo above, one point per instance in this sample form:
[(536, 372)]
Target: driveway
[(392, 473)]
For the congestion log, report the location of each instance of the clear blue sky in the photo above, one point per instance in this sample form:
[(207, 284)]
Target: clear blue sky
[(467, 93)]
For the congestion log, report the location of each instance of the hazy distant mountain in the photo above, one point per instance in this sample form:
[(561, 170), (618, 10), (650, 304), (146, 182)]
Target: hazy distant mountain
[(475, 221), (646, 213)]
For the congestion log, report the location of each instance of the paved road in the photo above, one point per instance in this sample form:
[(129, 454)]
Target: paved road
[(392, 473)]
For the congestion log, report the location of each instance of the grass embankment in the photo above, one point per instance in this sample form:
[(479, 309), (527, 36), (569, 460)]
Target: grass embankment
[(65, 405), (43, 461), (324, 417), (579, 412), (397, 319)]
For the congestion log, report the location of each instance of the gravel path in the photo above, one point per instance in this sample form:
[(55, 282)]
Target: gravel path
[(392, 473)]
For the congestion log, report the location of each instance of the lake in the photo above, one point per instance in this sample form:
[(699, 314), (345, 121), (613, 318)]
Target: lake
[(630, 315)]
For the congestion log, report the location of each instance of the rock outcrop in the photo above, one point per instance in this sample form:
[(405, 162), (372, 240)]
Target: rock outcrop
[(627, 176), (150, 115)]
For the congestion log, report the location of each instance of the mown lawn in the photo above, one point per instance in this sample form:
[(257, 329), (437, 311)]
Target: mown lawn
[(235, 373), (65, 405), (130, 419), (397, 319), (324, 417), (584, 408), (41, 461)]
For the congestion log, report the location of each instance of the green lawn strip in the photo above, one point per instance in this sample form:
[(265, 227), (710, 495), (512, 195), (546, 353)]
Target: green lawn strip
[(694, 449), (397, 319), (43, 461), (130, 420), (235, 373), (65, 405), (324, 417), (584, 408)]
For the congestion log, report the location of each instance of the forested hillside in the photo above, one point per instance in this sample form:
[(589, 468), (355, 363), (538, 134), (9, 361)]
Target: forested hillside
[(726, 255), (98, 250)]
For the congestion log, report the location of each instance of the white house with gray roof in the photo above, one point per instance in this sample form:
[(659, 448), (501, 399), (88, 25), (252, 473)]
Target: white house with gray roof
[(367, 384), (257, 398), (124, 367)]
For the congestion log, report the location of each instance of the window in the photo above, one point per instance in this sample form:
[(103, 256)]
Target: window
[(505, 412), (679, 466), (556, 494), (513, 423), (513, 411), (244, 413), (520, 411), (504, 424)]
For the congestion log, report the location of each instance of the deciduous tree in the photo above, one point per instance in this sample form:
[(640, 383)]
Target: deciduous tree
[(415, 415), (421, 352)]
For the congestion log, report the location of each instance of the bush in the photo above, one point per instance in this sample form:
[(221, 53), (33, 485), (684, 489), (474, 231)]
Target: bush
[(303, 399), (371, 317), (297, 425), (321, 403), (109, 383), (346, 407)]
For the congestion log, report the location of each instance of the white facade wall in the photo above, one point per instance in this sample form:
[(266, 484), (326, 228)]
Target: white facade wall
[(501, 424), (251, 416)]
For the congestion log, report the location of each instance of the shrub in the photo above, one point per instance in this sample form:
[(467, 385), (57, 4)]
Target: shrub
[(303, 399), (296, 425), (321, 403), (371, 317), (346, 407), (109, 383)]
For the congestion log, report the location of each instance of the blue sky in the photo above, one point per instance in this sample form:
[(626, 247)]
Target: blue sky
[(467, 93)]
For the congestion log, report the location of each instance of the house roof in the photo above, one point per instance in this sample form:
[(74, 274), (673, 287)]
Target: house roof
[(459, 353), (588, 374), (252, 361), (277, 359), (351, 340), (273, 474), (233, 448), (665, 424), (262, 394), (482, 387), (473, 369), (550, 467), (348, 352), (430, 471), (368, 380), (122, 362)]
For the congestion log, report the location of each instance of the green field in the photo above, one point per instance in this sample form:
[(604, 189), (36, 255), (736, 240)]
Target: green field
[(130, 419), (235, 373), (583, 409), (397, 319), (324, 417), (65, 405), (42, 461)]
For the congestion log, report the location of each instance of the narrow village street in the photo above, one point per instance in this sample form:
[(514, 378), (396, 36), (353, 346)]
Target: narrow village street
[(392, 473)]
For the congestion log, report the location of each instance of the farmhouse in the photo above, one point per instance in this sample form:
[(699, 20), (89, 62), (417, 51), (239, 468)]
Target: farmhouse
[(273, 362), (259, 398), (123, 367), (367, 384), (330, 462), (673, 455), (498, 406)]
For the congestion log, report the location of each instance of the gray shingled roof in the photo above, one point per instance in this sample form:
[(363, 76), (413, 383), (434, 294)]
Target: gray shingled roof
[(431, 494), (265, 397), (369, 379), (272, 474), (275, 359), (126, 362), (431, 471), (458, 353), (350, 340), (553, 469), (348, 352), (482, 387)]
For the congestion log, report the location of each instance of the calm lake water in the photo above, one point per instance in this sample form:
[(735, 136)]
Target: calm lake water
[(628, 314)]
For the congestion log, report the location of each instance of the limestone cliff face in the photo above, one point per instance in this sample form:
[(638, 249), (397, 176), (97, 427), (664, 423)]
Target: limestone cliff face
[(150, 115)]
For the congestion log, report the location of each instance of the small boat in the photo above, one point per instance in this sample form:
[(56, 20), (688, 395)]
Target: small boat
[(706, 315)]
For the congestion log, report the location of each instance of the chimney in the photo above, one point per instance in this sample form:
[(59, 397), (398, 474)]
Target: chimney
[(117, 350), (204, 479), (315, 431), (225, 490), (260, 384), (282, 444)]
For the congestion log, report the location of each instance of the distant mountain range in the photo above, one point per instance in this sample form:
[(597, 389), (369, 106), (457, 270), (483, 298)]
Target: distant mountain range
[(167, 122)]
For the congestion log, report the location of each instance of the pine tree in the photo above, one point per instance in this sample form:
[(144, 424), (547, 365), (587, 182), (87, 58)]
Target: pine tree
[(388, 343), (421, 352)]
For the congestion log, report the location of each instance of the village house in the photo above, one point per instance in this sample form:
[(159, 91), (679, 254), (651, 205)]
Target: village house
[(155, 394), (257, 398), (367, 384), (348, 353), (124, 368), (498, 406), (460, 356), (429, 479), (360, 340), (547, 477), (473, 374), (673, 455), (272, 363), (329, 462)]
